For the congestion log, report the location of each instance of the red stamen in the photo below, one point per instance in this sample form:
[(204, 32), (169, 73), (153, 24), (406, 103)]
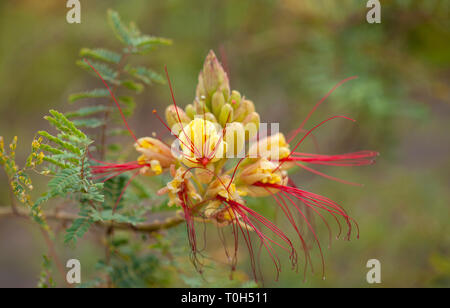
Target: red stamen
[(318, 104), (308, 133), (327, 176), (360, 158)]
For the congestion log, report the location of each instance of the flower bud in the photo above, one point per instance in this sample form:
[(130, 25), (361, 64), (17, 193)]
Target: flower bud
[(218, 100), (190, 111), (226, 114), (262, 171), (174, 115), (249, 106), (251, 124), (273, 147), (246, 107), (212, 78), (210, 117), (200, 106), (154, 149), (235, 99)]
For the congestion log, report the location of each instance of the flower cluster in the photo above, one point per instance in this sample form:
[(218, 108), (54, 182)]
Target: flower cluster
[(219, 159)]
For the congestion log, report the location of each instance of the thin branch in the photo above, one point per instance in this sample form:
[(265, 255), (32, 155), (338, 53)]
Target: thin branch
[(145, 227)]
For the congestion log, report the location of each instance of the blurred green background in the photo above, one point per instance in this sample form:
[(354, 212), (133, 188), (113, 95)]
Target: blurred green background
[(284, 55)]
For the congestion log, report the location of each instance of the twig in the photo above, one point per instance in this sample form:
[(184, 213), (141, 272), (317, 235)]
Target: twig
[(145, 227)]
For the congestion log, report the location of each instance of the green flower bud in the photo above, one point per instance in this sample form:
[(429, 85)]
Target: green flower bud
[(173, 117), (251, 124), (200, 107), (190, 111), (246, 107), (226, 114), (211, 79), (210, 117), (218, 100), (249, 106), (235, 99)]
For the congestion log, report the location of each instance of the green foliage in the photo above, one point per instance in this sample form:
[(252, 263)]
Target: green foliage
[(96, 93), (69, 166), (113, 68), (144, 74), (101, 54), (131, 36), (67, 151), (80, 225)]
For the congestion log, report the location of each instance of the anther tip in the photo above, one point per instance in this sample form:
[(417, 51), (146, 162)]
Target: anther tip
[(154, 111)]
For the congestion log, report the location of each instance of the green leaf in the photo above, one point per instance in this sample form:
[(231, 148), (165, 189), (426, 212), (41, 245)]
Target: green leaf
[(132, 85), (120, 30), (150, 41), (96, 93), (86, 111), (103, 69), (63, 144), (129, 103), (89, 123), (67, 180), (79, 227), (113, 189), (144, 74), (108, 215), (101, 54), (63, 124)]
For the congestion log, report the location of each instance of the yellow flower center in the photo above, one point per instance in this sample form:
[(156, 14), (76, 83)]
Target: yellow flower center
[(265, 170), (201, 142)]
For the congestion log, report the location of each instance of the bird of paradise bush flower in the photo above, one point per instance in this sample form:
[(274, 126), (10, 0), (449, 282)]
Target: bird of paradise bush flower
[(220, 158)]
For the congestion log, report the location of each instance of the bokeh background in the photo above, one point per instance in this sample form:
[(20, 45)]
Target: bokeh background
[(284, 55)]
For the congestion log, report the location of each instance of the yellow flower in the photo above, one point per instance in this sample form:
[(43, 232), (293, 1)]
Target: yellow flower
[(180, 183), (155, 153), (222, 187), (201, 143), (155, 167), (262, 171), (273, 147)]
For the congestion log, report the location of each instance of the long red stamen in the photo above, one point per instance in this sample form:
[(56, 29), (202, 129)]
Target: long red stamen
[(308, 133), (360, 158), (314, 200), (327, 176), (318, 104), (244, 210), (191, 146), (289, 216)]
